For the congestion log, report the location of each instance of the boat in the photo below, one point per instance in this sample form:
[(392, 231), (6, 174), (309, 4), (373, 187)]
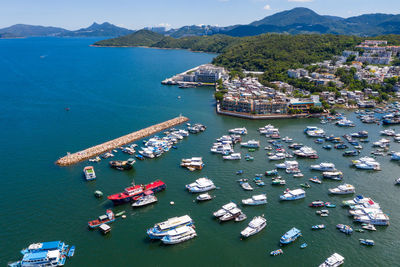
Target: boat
[(290, 236), (293, 194), (298, 175), (318, 227), (330, 205), (289, 164), (322, 213), (287, 139), (71, 252), (374, 218), (334, 260), (120, 213), (194, 163), (345, 123), (395, 156), (388, 132), (239, 172), (248, 157), (276, 252), (179, 235), (319, 141), (246, 186), (278, 182), (233, 156), (241, 131), (334, 175), (134, 192), (306, 152), (304, 245), (147, 199), (369, 227), (345, 229), (350, 153), (313, 131), (255, 226), (122, 164), (251, 144), (230, 215), (317, 203), (341, 146), (255, 200), (161, 229), (105, 228), (103, 219), (305, 185), (343, 189), (271, 172), (241, 217), (96, 159), (277, 156), (225, 209), (139, 157), (98, 194), (315, 180), (200, 185), (327, 147), (89, 173), (367, 242), (203, 197)]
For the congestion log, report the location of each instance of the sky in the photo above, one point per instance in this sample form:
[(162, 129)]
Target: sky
[(136, 14)]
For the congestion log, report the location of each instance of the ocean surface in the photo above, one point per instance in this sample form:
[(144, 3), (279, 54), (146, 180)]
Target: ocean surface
[(114, 91)]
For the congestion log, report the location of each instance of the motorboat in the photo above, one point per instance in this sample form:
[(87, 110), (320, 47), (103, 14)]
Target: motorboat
[(313, 131), (256, 200), (293, 194), (306, 152), (122, 164), (147, 199), (395, 156), (367, 242), (318, 227), (345, 229), (161, 229), (278, 181), (388, 132), (324, 166), (343, 189), (277, 156), (315, 180), (89, 173), (201, 185), (230, 215), (246, 186), (241, 218), (241, 131), (203, 197), (289, 164), (290, 236), (350, 153), (276, 252), (317, 203), (255, 226), (233, 156), (225, 208), (334, 260), (369, 227), (345, 123), (251, 144), (334, 175), (179, 235), (195, 163)]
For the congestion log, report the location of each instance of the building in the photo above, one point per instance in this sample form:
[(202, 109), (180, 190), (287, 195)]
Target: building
[(305, 104)]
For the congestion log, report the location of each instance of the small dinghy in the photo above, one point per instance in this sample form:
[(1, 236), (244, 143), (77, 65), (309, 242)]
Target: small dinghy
[(71, 251), (304, 245), (315, 180), (318, 227), (276, 252), (98, 193)]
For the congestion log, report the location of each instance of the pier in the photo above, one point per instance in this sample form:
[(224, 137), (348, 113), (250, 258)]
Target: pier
[(93, 151)]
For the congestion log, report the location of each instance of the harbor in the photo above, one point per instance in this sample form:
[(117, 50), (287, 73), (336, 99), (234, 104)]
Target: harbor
[(88, 153)]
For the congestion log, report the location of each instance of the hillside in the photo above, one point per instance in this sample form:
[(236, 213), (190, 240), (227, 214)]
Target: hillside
[(139, 38), (105, 29), (23, 30)]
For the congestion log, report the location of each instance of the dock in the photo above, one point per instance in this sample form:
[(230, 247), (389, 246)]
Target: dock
[(73, 158)]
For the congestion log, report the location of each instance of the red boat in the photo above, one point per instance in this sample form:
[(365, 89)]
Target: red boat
[(317, 203), (107, 218), (132, 193)]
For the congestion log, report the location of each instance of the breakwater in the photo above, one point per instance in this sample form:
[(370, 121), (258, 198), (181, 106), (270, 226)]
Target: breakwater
[(93, 151)]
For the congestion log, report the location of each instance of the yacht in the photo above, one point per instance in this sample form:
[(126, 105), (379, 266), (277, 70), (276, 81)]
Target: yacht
[(290, 236), (89, 173), (179, 235), (277, 156), (161, 229), (313, 131), (371, 165), (345, 123), (225, 208), (289, 164), (388, 132), (306, 152), (334, 175), (333, 261), (343, 189), (233, 156), (201, 185), (293, 194), (204, 197), (256, 200), (147, 199), (241, 131), (324, 166), (251, 144), (374, 218), (230, 215), (255, 225)]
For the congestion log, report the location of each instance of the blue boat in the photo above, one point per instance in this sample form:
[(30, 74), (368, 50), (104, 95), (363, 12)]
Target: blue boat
[(239, 172), (304, 245), (327, 147), (290, 236), (71, 251)]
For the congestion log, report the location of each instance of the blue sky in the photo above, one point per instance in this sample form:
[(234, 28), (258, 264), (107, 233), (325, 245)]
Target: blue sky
[(136, 14)]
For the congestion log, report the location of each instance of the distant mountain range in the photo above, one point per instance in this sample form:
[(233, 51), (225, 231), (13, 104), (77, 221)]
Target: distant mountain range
[(295, 21), (22, 30)]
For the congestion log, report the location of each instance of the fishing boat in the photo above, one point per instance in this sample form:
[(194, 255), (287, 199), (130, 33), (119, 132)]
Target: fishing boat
[(161, 229), (255, 200), (343, 189), (276, 252), (290, 236), (345, 229), (293, 194), (147, 199), (255, 226), (123, 164), (107, 218), (334, 260), (367, 242), (318, 227), (225, 209), (200, 185), (179, 235), (89, 173), (315, 180), (317, 203), (134, 192), (203, 197)]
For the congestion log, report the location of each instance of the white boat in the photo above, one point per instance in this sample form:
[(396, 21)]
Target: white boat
[(395, 156), (251, 144), (333, 261), (278, 156), (293, 194), (225, 208), (343, 189), (233, 156), (289, 164), (201, 185), (241, 131), (146, 153), (324, 166), (179, 235), (256, 200), (161, 229), (313, 131), (369, 227), (246, 186), (376, 166), (335, 175), (388, 132), (255, 226), (306, 152), (204, 197), (397, 181), (374, 218), (145, 200), (230, 215), (89, 173), (345, 123), (223, 149), (287, 139), (382, 143)]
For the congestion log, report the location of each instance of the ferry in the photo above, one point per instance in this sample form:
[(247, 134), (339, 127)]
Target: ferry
[(255, 226), (89, 173), (201, 185), (161, 229), (255, 200), (290, 236), (333, 261), (134, 192), (179, 235), (107, 218), (293, 194)]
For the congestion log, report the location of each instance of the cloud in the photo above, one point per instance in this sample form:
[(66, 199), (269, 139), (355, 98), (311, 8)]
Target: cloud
[(163, 24), (267, 7), (301, 1)]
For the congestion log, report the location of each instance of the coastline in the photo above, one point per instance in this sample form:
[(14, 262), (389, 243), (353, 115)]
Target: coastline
[(152, 47)]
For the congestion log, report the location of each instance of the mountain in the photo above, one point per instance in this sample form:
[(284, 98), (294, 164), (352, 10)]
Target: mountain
[(105, 29), (23, 30), (139, 38)]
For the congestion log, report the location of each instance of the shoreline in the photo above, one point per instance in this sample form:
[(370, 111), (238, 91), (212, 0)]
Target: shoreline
[(151, 47)]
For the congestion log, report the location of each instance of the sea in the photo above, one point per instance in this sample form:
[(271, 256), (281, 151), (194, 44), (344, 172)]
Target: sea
[(114, 91)]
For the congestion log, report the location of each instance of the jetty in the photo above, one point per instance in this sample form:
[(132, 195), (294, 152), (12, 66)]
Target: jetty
[(73, 158)]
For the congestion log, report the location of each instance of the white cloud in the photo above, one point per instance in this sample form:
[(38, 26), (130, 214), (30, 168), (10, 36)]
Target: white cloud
[(267, 7), (300, 1), (163, 24)]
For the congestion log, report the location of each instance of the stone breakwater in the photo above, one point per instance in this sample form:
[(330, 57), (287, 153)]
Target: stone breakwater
[(93, 151)]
